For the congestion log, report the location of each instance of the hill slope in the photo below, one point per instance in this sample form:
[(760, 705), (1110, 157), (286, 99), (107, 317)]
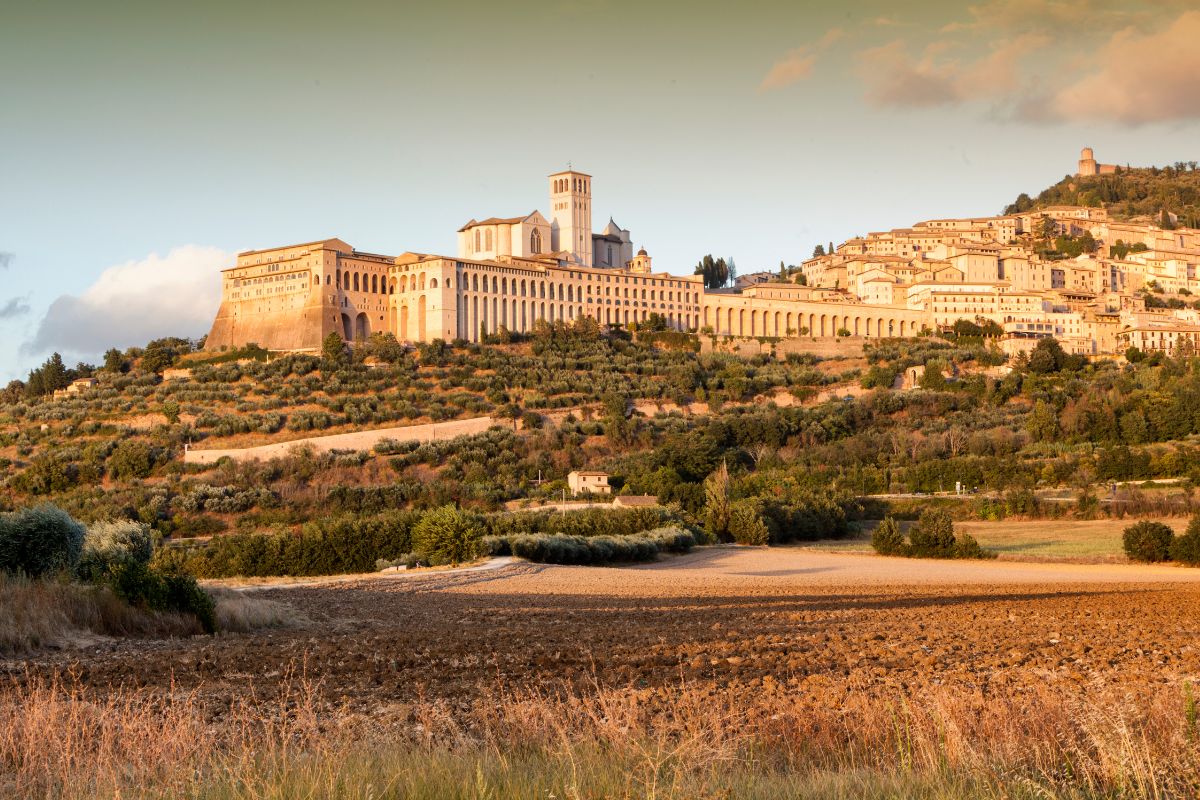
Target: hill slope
[(1138, 194)]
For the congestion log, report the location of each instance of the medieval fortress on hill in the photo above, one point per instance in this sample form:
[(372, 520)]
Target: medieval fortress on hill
[(511, 272)]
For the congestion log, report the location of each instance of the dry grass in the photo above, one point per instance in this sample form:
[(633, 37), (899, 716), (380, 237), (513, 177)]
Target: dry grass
[(57, 741), (239, 612), (35, 614), (40, 614)]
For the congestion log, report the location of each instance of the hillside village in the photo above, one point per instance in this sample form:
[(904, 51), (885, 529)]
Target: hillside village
[(1097, 284)]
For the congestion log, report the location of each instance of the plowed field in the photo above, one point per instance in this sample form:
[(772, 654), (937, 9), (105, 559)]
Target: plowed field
[(730, 619)]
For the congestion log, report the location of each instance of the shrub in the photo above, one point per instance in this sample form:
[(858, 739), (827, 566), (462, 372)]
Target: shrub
[(139, 585), (746, 523), (131, 459), (109, 544), (888, 539), (933, 535), (1148, 541), (448, 535), (1186, 548), (40, 540)]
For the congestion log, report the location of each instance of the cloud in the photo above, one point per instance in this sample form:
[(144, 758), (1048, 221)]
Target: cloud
[(1139, 78), (895, 79), (1066, 19), (797, 64), (131, 303), (15, 307), (5, 260)]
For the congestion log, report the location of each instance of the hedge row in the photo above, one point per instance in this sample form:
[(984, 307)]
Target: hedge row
[(342, 544), (600, 549), (585, 523)]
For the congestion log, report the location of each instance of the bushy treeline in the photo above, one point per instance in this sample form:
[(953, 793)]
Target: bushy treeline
[(352, 543), (583, 523), (596, 549), (344, 543)]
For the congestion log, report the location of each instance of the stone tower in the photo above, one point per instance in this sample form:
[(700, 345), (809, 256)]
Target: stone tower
[(571, 215), (1087, 162)]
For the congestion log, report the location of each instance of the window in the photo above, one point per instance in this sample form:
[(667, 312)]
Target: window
[(535, 241), (476, 240)]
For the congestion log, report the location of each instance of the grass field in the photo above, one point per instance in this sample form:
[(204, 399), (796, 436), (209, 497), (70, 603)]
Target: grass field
[(1075, 540)]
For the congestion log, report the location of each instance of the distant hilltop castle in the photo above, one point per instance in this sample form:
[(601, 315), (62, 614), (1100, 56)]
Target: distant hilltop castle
[(1088, 165)]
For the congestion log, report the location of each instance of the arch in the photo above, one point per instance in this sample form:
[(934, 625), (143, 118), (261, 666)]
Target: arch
[(393, 285), (433, 283), (356, 281), (422, 281), (374, 284), (327, 280), (754, 322), (790, 330), (421, 318), (473, 331), (535, 241), (822, 324), (339, 279), (404, 335), (741, 322), (868, 332), (347, 327), (362, 327)]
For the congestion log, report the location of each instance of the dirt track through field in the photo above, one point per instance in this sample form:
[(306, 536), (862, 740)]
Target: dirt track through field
[(778, 620)]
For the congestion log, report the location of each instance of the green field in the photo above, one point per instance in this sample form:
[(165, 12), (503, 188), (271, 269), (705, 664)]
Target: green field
[(1085, 540)]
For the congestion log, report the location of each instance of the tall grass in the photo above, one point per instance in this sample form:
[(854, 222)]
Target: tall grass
[(687, 742), (40, 613), (50, 613)]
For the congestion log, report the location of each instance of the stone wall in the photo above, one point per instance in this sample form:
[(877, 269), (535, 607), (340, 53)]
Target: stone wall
[(358, 440)]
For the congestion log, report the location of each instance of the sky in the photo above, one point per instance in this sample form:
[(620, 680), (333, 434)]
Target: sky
[(142, 145)]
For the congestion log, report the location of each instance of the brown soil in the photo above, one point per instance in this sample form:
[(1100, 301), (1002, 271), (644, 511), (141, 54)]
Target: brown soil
[(755, 620)]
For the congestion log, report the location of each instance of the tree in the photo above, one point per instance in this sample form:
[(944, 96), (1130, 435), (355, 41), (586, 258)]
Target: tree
[(114, 361), (170, 410), (746, 524), (933, 535), (333, 349), (1186, 547), (131, 459), (1047, 229), (1148, 541), (716, 502), (818, 251), (932, 379), (40, 541), (1047, 357), (1043, 422), (448, 535), (887, 539), (716, 272)]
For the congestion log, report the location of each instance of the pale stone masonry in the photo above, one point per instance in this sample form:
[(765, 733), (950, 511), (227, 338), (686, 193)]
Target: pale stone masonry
[(511, 272)]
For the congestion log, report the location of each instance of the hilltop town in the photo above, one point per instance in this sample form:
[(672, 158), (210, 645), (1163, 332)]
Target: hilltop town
[(1097, 284)]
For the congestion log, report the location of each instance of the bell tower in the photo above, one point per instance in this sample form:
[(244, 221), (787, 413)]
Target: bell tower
[(571, 215)]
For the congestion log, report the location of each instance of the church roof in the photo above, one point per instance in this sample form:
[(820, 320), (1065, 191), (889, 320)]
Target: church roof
[(497, 221), (613, 228)]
